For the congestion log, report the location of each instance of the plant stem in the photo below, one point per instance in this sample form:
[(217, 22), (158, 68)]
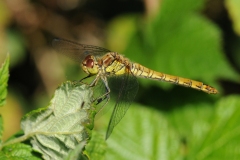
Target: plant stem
[(16, 140)]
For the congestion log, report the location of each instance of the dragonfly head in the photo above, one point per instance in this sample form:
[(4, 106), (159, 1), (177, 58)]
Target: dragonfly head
[(90, 65)]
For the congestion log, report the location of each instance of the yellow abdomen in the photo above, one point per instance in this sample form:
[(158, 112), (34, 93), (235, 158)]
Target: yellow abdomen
[(141, 71)]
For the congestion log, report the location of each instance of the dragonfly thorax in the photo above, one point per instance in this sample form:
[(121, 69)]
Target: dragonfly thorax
[(115, 64), (90, 65)]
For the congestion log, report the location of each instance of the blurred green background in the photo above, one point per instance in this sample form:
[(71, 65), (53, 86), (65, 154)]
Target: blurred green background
[(199, 40)]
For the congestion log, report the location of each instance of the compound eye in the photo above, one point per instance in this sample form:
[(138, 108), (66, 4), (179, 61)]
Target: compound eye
[(90, 63)]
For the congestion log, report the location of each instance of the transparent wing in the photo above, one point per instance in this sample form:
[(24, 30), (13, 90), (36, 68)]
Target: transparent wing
[(75, 51), (124, 98)]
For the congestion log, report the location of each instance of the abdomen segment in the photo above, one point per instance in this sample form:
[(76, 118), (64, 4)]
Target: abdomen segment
[(144, 72)]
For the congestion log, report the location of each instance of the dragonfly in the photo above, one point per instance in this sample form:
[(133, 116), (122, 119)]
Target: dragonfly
[(105, 64)]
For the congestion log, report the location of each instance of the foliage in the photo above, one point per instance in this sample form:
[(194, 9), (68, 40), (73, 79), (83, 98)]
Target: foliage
[(3, 90), (57, 131), (191, 132), (182, 42), (167, 122), (233, 7), (4, 74)]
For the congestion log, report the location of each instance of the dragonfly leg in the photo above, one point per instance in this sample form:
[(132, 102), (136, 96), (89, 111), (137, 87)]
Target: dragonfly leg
[(92, 84), (104, 96), (81, 80)]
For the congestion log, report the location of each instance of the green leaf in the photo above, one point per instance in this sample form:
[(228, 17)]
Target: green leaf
[(208, 132), (1, 128), (4, 74), (77, 153), (186, 44), (233, 7), (195, 131), (67, 121), (18, 151), (96, 148), (143, 134), (122, 27), (192, 120), (178, 41), (222, 140)]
